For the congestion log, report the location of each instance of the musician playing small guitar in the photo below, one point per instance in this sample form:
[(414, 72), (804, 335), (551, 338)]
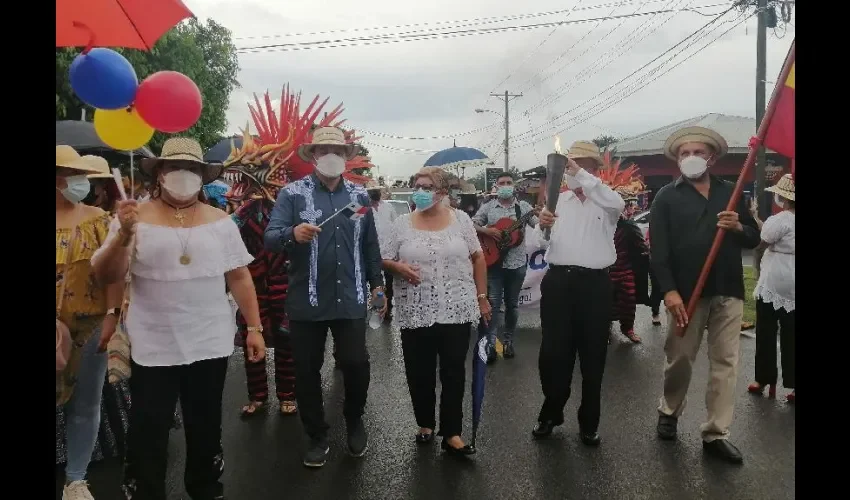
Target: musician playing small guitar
[(501, 225)]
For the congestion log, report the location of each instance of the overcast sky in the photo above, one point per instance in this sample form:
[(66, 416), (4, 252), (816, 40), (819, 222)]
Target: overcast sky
[(432, 87)]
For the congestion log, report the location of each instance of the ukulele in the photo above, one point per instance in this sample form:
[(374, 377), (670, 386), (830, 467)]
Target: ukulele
[(512, 236)]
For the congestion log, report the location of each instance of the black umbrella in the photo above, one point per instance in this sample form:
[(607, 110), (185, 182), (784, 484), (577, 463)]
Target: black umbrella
[(221, 150), (81, 136)]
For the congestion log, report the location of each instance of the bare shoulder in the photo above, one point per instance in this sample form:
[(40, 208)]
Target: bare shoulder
[(213, 214), (89, 212)]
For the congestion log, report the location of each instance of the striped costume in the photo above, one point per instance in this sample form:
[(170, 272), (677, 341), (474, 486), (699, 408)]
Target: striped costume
[(630, 247), (271, 283)]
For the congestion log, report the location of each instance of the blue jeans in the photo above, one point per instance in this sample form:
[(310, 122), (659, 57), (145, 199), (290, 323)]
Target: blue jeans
[(82, 411), (504, 284)]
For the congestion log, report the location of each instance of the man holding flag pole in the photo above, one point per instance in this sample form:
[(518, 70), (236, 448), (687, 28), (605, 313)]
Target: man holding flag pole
[(680, 229)]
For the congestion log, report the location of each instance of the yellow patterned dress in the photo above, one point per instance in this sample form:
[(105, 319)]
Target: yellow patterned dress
[(84, 304)]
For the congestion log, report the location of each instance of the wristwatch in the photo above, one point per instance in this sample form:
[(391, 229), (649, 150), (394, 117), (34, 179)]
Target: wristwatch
[(115, 311)]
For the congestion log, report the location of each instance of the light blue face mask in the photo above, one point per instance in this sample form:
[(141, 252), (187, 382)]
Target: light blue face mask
[(422, 199), (78, 188), (505, 192)]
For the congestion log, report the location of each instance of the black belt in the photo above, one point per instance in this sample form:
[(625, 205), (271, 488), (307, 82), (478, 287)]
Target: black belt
[(578, 269)]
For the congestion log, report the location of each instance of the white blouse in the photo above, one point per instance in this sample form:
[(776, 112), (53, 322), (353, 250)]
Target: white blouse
[(776, 283), (446, 293), (180, 314)]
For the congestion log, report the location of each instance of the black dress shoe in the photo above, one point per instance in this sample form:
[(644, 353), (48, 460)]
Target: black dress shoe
[(667, 427), (590, 438), (358, 440), (543, 429), (457, 452), (509, 351), (724, 450), (424, 437)]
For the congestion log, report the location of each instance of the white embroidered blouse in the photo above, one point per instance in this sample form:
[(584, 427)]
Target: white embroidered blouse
[(180, 314), (446, 293), (776, 284)]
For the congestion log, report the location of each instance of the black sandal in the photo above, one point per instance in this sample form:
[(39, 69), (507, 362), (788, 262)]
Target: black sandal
[(424, 437)]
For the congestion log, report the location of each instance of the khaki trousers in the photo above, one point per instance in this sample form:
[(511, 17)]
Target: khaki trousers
[(721, 316)]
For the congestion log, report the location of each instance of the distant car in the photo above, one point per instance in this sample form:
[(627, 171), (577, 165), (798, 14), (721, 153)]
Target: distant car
[(401, 207), (642, 220)]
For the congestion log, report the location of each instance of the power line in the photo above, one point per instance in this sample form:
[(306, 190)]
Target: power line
[(390, 38), (433, 137)]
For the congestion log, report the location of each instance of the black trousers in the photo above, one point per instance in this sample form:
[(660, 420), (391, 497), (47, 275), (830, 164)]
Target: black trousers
[(155, 390), (575, 310), (769, 322), (308, 345), (655, 295), (388, 291), (421, 348)]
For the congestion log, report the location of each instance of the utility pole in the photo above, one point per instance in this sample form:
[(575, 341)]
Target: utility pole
[(506, 97), (761, 76)]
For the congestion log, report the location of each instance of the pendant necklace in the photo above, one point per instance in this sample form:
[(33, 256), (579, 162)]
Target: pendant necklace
[(180, 216)]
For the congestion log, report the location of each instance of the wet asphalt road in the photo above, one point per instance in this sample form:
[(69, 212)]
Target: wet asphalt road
[(263, 455)]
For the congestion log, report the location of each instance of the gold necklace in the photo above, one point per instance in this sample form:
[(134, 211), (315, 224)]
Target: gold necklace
[(185, 258)]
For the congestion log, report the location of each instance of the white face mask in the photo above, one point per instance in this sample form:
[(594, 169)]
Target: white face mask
[(572, 183), (693, 167), (182, 185), (330, 165)]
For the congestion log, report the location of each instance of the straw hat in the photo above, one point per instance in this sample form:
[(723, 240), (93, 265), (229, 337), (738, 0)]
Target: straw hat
[(326, 136), (183, 149), (100, 164), (784, 188), (585, 149), (67, 157), (694, 134)]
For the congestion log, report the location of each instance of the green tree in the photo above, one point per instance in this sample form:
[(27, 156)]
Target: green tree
[(203, 52), (479, 179), (603, 141)]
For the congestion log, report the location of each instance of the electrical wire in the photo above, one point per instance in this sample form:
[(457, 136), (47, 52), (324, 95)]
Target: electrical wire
[(398, 38), (433, 137)]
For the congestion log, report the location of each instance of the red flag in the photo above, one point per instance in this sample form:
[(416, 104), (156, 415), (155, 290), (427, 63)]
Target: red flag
[(780, 131)]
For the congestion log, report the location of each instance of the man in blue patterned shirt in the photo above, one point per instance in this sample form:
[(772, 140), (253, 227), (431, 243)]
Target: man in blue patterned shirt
[(504, 278), (332, 271)]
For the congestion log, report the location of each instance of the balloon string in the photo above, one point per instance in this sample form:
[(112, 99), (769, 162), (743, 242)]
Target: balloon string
[(82, 26)]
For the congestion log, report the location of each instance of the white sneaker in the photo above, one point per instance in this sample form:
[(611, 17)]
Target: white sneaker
[(77, 490)]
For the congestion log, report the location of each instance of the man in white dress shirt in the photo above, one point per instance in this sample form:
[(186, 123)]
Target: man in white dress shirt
[(576, 294)]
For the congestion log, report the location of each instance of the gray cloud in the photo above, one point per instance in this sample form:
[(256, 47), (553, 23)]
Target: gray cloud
[(428, 88)]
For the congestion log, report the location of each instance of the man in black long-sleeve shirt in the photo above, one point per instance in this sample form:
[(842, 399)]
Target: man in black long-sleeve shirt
[(684, 220)]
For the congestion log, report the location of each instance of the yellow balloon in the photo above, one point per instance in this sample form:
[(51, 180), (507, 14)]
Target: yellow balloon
[(122, 129)]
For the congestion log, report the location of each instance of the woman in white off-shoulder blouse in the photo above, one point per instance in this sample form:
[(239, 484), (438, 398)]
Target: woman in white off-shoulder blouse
[(180, 322), (775, 294), (440, 292)]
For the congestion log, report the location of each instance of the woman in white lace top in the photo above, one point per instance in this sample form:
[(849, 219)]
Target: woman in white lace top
[(180, 322), (440, 292), (774, 294)]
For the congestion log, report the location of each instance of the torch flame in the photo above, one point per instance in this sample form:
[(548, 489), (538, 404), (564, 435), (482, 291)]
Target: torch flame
[(558, 144)]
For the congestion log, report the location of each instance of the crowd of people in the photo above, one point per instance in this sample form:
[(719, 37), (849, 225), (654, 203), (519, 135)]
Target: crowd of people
[(304, 256)]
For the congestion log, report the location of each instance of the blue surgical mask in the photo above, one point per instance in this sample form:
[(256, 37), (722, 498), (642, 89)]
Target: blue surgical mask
[(505, 192), (78, 188), (422, 199)]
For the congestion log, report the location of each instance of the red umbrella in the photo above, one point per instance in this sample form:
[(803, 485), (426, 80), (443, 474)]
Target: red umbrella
[(135, 24)]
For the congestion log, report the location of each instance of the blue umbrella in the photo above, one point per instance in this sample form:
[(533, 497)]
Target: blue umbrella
[(456, 157), (479, 373)]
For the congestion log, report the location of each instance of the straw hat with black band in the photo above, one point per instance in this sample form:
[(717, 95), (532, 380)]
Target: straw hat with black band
[(585, 149), (701, 135), (327, 136), (101, 165), (784, 188), (183, 149), (67, 157)]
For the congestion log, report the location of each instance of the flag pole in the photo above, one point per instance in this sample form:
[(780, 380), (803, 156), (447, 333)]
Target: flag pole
[(739, 186)]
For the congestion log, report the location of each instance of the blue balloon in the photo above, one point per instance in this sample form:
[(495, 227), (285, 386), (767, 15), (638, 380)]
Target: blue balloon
[(104, 79)]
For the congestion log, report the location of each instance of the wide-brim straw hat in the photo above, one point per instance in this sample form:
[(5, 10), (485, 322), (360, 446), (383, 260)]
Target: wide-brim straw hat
[(101, 165), (784, 188), (183, 149), (694, 134), (585, 149), (67, 157), (327, 136)]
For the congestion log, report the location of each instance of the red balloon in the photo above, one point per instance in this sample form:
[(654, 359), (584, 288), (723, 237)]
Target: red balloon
[(169, 101)]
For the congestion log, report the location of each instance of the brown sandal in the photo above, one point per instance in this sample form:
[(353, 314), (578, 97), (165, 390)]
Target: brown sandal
[(288, 408), (250, 409)]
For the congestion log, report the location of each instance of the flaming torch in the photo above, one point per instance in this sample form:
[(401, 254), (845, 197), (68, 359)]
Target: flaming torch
[(556, 164)]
